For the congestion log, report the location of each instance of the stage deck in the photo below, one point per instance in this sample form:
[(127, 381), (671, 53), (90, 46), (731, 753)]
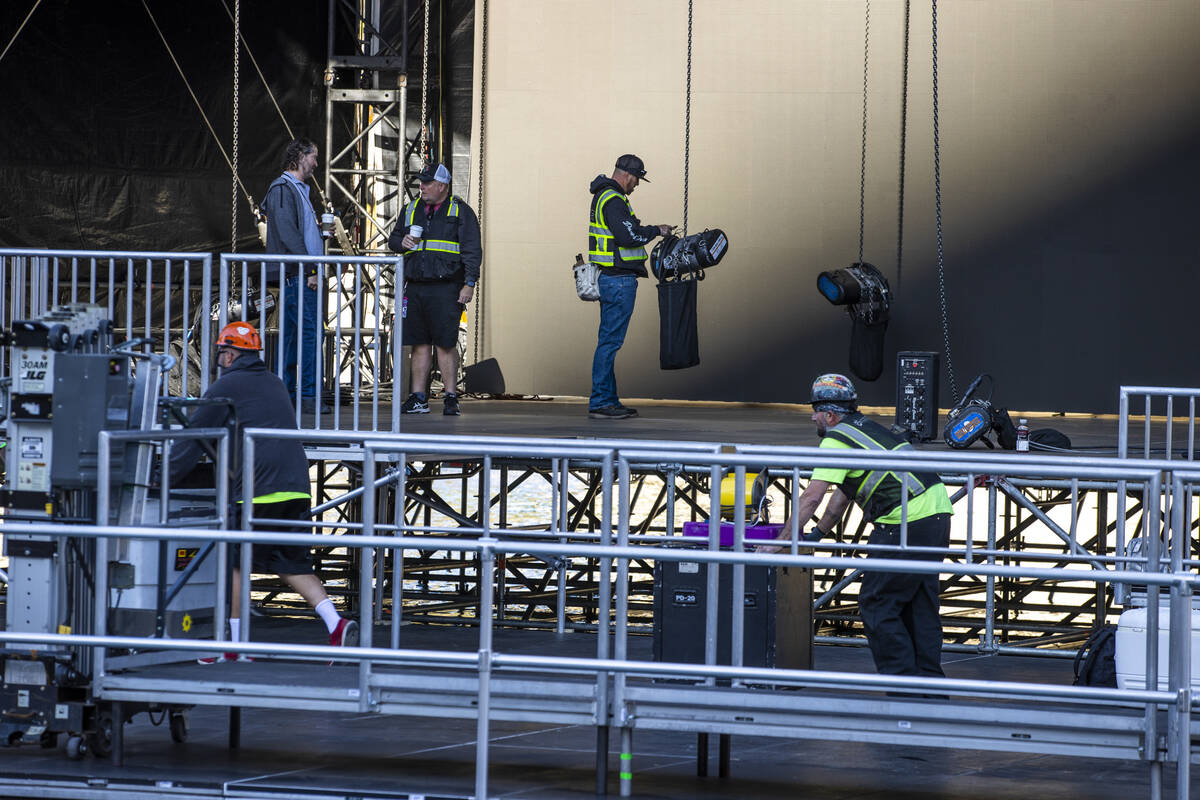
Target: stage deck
[(298, 752), (726, 423)]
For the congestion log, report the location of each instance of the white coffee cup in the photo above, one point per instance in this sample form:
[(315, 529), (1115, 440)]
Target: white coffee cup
[(415, 231)]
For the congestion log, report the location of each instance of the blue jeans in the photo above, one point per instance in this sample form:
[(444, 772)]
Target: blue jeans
[(617, 294), (310, 336)]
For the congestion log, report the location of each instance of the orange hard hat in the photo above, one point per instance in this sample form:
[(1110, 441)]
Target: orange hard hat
[(240, 336)]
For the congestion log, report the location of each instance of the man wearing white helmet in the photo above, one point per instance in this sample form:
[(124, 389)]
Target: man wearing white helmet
[(899, 609)]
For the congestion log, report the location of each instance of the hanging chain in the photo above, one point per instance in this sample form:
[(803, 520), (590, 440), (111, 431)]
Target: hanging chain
[(237, 51), (937, 192), (903, 144), (425, 88), (687, 123), (862, 169), (479, 171), (200, 108)]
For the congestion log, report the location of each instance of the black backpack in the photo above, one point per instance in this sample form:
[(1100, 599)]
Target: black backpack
[(1095, 663)]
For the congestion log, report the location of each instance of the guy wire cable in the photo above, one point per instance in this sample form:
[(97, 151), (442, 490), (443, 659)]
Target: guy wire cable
[(271, 95), (19, 29), (196, 100)]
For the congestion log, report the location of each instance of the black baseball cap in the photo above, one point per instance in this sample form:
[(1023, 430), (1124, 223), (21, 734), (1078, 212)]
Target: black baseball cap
[(633, 165)]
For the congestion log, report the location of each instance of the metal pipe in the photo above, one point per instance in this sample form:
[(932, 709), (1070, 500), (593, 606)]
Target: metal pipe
[(738, 598), (712, 570), (365, 589), (485, 656)]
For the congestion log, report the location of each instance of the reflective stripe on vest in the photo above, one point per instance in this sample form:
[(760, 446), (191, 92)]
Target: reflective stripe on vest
[(435, 245), (873, 478), (601, 248)]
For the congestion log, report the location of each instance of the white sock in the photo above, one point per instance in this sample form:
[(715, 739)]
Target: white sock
[(235, 629), (328, 613)]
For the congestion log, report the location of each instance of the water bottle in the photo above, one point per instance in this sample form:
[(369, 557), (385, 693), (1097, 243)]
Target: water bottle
[(1023, 436)]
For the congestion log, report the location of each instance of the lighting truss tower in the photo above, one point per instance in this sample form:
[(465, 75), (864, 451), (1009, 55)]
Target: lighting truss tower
[(365, 157)]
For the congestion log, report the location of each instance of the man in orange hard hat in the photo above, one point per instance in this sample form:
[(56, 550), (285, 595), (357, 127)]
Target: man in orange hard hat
[(281, 481)]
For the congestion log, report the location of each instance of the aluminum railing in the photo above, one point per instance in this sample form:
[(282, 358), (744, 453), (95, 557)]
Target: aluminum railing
[(486, 660), (612, 671), (160, 296), (1171, 419), (357, 312), (1149, 394), (176, 300)]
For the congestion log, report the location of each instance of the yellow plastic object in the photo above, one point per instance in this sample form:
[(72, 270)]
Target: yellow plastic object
[(755, 488)]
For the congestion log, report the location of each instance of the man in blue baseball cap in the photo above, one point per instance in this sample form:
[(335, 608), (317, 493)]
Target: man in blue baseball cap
[(443, 252)]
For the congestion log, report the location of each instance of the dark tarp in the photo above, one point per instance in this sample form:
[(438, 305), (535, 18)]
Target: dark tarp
[(102, 147), (678, 336)]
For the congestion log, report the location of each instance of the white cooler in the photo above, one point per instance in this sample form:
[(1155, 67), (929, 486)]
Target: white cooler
[(1131, 648)]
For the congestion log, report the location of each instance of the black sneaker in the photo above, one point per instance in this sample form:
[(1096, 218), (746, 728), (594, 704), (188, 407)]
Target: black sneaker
[(415, 405), (450, 406), (611, 412), (308, 405)]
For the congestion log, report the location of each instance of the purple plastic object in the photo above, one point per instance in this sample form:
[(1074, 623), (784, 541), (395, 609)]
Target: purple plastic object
[(700, 529)]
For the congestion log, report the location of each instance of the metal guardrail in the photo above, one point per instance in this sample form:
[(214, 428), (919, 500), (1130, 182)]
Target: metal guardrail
[(176, 300), (610, 671), (358, 314), (162, 296)]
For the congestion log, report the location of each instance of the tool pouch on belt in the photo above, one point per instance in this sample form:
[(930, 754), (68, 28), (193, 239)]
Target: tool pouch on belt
[(585, 279)]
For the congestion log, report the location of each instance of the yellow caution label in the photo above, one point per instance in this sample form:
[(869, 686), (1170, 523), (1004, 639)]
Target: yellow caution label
[(187, 623), (64, 629)]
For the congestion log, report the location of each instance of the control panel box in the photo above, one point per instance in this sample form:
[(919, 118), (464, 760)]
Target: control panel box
[(917, 394)]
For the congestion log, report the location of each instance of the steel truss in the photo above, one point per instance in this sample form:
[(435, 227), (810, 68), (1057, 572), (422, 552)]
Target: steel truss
[(1028, 523)]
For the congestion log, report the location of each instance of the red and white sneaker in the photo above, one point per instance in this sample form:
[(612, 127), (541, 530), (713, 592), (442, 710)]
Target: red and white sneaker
[(221, 659), (345, 634)]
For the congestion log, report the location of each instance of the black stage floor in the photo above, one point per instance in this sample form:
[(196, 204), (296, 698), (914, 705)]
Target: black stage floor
[(297, 753), (727, 423)]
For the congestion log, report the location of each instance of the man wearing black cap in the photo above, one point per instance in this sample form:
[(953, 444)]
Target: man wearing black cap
[(439, 236), (617, 245)]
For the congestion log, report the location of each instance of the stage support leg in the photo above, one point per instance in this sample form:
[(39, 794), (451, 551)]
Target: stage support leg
[(626, 762), (118, 734), (235, 728), (702, 755), (601, 761), (724, 767)]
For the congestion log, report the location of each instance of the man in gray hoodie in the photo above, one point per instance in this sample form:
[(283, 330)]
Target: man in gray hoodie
[(292, 229)]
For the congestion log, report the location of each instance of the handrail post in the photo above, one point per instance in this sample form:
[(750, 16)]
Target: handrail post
[(366, 557), (482, 722), (100, 574)]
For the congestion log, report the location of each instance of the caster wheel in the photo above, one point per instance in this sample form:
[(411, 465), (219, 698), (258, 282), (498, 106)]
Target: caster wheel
[(48, 740), (179, 726), (100, 741), (76, 748)]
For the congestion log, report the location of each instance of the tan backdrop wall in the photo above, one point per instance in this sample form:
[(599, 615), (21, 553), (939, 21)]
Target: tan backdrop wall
[(1068, 157)]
